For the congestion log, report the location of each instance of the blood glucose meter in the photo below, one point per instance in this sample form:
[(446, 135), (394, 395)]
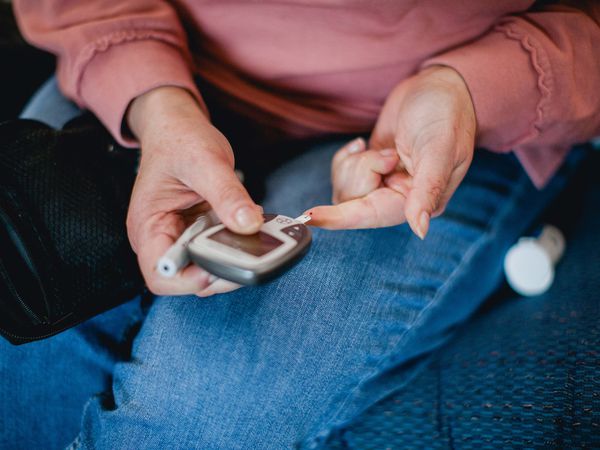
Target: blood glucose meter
[(243, 259)]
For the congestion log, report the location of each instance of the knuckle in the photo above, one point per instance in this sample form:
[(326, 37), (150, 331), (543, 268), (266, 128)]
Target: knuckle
[(131, 220), (229, 194), (342, 197), (154, 285), (131, 229), (435, 190), (339, 156), (129, 225), (343, 165), (364, 158), (375, 214)]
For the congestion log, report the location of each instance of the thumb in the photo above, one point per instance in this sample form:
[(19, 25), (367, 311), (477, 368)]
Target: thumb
[(381, 136), (218, 184)]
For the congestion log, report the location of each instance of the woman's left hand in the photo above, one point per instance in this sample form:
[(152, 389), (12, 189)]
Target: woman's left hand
[(429, 121)]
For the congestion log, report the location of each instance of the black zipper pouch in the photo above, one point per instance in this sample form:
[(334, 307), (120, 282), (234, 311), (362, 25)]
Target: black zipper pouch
[(64, 252)]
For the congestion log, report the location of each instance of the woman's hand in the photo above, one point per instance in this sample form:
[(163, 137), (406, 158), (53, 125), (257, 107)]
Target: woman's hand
[(429, 121), (185, 161)]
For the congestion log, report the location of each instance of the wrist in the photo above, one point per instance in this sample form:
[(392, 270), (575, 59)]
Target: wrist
[(446, 75), (160, 105), (453, 81)]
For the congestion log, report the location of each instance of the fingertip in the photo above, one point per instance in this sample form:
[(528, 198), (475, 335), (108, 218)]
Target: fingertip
[(356, 145), (195, 274), (219, 286), (335, 217), (191, 278), (318, 215), (414, 228), (424, 219), (419, 223), (246, 220)]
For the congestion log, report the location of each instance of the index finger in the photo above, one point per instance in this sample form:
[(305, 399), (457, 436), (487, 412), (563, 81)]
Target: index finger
[(382, 207), (435, 180)]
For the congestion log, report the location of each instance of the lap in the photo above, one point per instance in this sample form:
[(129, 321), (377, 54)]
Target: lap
[(288, 362)]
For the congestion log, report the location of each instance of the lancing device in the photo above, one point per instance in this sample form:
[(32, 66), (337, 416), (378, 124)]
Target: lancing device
[(243, 259), (177, 256)]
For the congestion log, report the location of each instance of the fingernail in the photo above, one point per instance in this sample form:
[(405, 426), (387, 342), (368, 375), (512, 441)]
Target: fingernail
[(423, 225), (387, 152), (356, 145), (247, 217)]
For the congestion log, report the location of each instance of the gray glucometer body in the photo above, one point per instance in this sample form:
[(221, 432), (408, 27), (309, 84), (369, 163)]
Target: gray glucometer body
[(251, 259)]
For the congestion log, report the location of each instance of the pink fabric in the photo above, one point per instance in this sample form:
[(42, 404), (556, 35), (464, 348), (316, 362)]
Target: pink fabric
[(328, 65)]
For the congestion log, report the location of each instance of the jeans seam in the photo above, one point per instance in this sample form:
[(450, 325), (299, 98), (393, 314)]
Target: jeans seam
[(484, 238)]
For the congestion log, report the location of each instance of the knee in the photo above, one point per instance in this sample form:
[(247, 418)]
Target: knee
[(266, 359)]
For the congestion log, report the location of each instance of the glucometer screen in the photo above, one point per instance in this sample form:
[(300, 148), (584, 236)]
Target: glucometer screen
[(258, 244)]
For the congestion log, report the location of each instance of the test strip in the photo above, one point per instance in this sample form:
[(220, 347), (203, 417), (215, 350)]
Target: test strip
[(303, 218), (176, 257)]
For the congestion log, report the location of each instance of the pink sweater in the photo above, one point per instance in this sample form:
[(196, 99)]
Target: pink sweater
[(327, 65)]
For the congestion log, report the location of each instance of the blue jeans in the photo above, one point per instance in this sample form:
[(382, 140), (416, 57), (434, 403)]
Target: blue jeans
[(282, 365)]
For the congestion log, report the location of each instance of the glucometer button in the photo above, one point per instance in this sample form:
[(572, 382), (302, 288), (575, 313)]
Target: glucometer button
[(294, 231), (269, 217)]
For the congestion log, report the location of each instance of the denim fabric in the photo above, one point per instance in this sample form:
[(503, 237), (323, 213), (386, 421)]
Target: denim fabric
[(44, 385), (49, 106), (285, 364)]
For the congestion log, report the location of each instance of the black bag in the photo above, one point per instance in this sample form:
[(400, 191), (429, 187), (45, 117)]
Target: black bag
[(64, 252)]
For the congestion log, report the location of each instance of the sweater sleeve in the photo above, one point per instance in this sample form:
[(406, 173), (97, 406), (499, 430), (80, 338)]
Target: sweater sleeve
[(535, 84), (110, 51)]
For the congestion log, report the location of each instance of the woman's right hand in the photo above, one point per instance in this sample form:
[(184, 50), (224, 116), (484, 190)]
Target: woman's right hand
[(185, 161)]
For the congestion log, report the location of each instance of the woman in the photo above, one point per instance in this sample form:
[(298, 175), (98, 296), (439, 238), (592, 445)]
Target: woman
[(288, 363)]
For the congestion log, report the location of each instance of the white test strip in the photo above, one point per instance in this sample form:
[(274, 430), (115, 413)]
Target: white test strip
[(303, 218)]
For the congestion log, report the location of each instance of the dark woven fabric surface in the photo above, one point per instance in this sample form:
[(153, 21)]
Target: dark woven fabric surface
[(69, 190), (524, 373)]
